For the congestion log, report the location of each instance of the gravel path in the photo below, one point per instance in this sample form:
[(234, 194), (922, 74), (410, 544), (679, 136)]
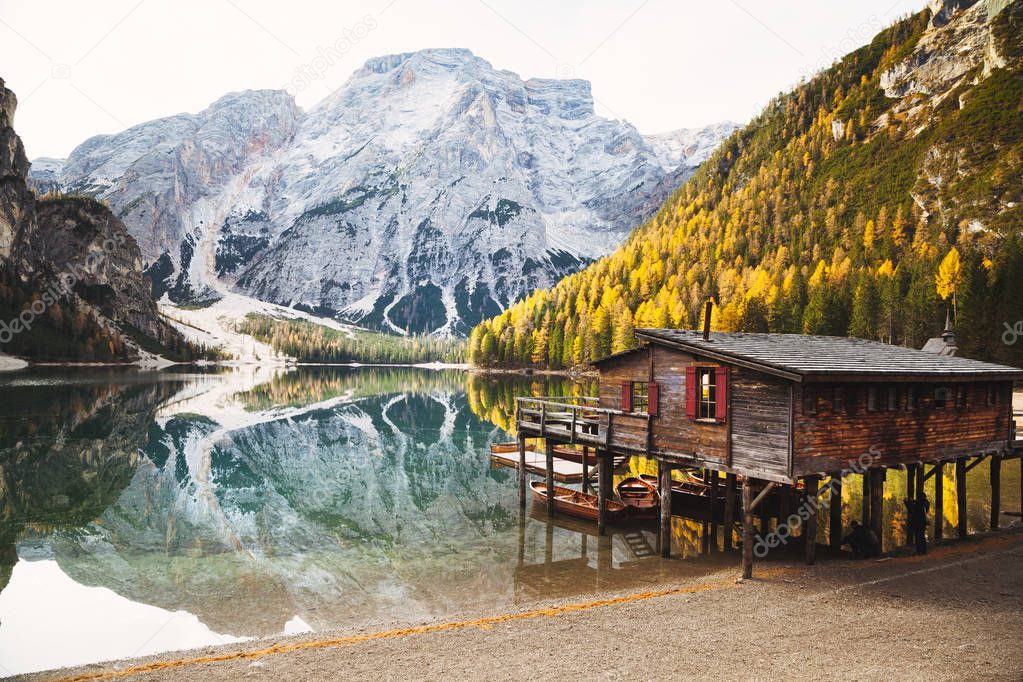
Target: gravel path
[(954, 614)]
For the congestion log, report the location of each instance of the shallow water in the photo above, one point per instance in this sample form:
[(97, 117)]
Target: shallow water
[(145, 512)]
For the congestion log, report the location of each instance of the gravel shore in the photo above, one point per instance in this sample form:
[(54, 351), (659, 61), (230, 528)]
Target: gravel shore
[(956, 613)]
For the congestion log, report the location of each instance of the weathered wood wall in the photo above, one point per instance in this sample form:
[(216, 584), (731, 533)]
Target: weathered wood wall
[(760, 423), (835, 439), (672, 431)]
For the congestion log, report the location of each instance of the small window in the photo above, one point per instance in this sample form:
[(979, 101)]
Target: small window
[(961, 396), (707, 393), (839, 399), (911, 397), (941, 395), (809, 401), (992, 395), (640, 396), (893, 398), (872, 399)]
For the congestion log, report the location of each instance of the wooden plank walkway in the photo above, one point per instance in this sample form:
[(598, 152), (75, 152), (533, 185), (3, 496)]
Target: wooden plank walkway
[(536, 463)]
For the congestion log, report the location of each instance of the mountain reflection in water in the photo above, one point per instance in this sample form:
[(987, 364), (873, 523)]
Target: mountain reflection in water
[(249, 502)]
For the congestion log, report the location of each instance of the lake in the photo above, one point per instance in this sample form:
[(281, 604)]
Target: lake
[(143, 512)]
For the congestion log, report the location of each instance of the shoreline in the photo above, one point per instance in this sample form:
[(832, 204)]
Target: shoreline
[(839, 610)]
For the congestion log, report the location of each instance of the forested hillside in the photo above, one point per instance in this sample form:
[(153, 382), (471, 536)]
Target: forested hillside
[(863, 203)]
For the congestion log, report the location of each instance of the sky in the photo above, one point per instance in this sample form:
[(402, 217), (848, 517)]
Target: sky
[(85, 68)]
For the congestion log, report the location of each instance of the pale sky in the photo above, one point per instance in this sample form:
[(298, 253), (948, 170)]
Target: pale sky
[(84, 68)]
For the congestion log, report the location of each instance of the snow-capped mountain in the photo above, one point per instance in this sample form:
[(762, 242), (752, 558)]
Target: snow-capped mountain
[(429, 191)]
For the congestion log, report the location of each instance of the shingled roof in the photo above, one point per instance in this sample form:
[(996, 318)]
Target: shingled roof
[(807, 358)]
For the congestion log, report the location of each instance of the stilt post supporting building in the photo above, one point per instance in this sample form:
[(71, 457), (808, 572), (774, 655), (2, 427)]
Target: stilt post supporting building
[(603, 486), (664, 490), (835, 513), (939, 502), (811, 523), (747, 529), (522, 471), (996, 490), (961, 509), (549, 449), (730, 493), (877, 502)]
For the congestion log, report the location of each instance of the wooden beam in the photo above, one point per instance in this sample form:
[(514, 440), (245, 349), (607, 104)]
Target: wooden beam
[(835, 513), (996, 490), (730, 493), (865, 501), (961, 508), (549, 449), (939, 501), (763, 493), (522, 470), (747, 530), (811, 523), (713, 510), (603, 472), (664, 490), (586, 468), (877, 502), (980, 458), (910, 481)]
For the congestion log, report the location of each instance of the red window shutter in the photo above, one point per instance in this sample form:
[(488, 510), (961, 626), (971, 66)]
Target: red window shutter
[(652, 395), (690, 392), (721, 406), (626, 396)]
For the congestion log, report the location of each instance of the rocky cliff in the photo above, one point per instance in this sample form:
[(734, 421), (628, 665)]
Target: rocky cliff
[(71, 278)]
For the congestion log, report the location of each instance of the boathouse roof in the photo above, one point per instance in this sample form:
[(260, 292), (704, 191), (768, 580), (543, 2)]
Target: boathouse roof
[(800, 357)]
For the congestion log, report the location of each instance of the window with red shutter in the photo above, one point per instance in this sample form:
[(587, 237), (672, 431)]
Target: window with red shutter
[(626, 396), (653, 395), (721, 406), (690, 393)]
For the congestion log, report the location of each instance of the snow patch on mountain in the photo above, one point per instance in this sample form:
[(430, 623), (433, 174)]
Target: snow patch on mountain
[(430, 191)]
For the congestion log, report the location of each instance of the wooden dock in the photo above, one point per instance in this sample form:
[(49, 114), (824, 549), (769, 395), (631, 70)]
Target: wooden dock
[(536, 463)]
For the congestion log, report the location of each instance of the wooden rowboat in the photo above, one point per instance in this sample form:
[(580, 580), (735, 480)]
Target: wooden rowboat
[(639, 495), (575, 503), (496, 448), (574, 455)]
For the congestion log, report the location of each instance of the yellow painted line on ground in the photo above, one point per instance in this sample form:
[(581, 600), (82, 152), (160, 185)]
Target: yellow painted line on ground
[(482, 623)]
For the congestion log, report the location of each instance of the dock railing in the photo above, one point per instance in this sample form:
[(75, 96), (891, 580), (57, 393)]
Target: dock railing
[(580, 420)]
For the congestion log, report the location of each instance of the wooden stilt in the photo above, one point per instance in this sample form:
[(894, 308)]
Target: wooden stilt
[(877, 503), (939, 501), (911, 488), (522, 471), (713, 510), (961, 509), (811, 523), (865, 501), (603, 473), (747, 530), (550, 477), (586, 468), (664, 483), (996, 490), (835, 514), (730, 493), (765, 519)]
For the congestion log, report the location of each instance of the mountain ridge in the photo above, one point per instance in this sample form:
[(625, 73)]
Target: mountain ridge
[(428, 191)]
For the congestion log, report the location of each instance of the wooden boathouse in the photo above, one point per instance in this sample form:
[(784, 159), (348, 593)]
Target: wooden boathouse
[(780, 413)]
